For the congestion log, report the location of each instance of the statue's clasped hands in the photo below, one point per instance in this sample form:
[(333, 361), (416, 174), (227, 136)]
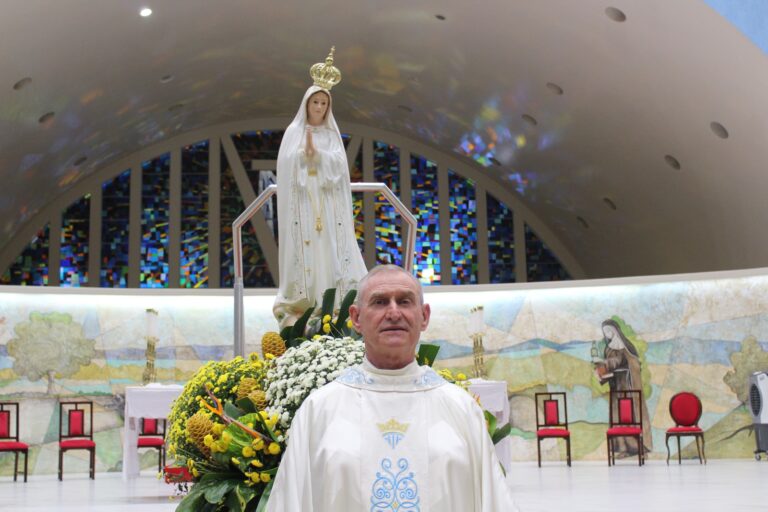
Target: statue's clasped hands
[(309, 149)]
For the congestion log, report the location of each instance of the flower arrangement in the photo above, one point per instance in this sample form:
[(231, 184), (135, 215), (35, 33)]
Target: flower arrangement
[(305, 368)]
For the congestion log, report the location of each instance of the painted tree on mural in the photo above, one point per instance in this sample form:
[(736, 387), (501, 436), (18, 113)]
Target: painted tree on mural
[(49, 345), (751, 358)]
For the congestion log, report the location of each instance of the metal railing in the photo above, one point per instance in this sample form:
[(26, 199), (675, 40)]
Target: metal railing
[(409, 236)]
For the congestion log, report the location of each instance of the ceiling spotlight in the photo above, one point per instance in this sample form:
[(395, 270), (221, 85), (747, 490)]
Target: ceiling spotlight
[(176, 107), (145, 11), (48, 116), (582, 222), (405, 107), (165, 79), (609, 202), (718, 130), (80, 161), (22, 83), (672, 162), (494, 161), (440, 17), (554, 88), (615, 14), (530, 120)]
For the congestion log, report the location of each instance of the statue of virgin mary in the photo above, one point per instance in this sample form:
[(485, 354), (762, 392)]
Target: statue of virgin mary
[(317, 245)]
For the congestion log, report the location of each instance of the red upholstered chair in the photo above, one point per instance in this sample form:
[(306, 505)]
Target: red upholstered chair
[(552, 420), (76, 432), (685, 409), (152, 435), (626, 420), (9, 436)]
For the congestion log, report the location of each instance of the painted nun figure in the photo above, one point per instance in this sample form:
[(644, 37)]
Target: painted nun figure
[(317, 245)]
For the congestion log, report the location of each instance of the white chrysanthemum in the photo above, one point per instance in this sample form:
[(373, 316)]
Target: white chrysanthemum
[(303, 369)]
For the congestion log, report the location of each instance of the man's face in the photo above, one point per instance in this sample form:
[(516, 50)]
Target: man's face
[(390, 317)]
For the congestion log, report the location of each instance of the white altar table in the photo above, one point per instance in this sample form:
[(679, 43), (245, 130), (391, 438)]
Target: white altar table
[(493, 398), (150, 401)]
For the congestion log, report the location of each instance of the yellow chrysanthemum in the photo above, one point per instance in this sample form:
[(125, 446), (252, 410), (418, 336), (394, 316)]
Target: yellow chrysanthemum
[(257, 463), (349, 323), (326, 319), (248, 452), (326, 328), (461, 376), (265, 477), (274, 448)]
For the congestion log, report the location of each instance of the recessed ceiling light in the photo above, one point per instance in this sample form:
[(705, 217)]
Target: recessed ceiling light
[(615, 14), (609, 202), (145, 11), (165, 79), (176, 107), (494, 161), (48, 116), (718, 129), (405, 107), (530, 120), (554, 88), (22, 83), (80, 161), (672, 162), (440, 17), (582, 222)]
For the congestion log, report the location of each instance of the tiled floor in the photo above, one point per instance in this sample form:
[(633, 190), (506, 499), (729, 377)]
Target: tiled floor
[(720, 486)]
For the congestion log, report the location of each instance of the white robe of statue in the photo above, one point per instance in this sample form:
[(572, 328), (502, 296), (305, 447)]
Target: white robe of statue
[(390, 440), (317, 244)]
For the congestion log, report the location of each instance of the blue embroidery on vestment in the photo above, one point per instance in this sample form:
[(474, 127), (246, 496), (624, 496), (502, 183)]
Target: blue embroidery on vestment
[(394, 492), (428, 379), (354, 375)]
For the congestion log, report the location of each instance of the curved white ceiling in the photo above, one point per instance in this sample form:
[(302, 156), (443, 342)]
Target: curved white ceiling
[(633, 92)]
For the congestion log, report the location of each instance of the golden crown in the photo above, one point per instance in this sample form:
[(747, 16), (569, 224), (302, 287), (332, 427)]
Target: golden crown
[(325, 74), (392, 426)]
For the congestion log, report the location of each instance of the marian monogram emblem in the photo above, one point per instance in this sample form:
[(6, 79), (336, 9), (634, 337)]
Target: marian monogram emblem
[(395, 489), (392, 431)]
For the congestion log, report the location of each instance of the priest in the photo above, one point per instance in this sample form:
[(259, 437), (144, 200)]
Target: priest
[(390, 435)]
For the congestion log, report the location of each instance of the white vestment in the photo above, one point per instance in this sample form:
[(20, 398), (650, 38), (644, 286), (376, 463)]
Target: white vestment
[(317, 245), (390, 440)]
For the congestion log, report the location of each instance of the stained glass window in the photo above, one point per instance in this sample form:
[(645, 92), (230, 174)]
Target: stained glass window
[(542, 264), (386, 169), (356, 175), (194, 216), (255, 271), (425, 208), (155, 213), (31, 267), (501, 241), (114, 231), (463, 211), (75, 226), (257, 145)]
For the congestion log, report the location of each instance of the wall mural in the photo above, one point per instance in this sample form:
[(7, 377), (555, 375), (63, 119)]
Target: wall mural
[(704, 336)]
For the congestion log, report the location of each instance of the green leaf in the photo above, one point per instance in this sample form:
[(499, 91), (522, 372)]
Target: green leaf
[(239, 498), (265, 427), (232, 410), (427, 353), (491, 420), (297, 331), (265, 497), (501, 433), (193, 501), (341, 322), (329, 297), (285, 333), (216, 492), (246, 405)]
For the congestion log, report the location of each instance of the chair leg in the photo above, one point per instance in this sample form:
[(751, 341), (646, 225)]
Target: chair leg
[(61, 463), (159, 459), (608, 448), (538, 448), (639, 450), (666, 441), (15, 465), (704, 455), (679, 455), (26, 460), (568, 449), (93, 464)]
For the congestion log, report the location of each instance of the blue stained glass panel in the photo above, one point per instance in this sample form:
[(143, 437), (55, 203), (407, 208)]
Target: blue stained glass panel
[(114, 231), (31, 267), (463, 211), (355, 176), (155, 214), (501, 241), (194, 216), (425, 206), (541, 262), (255, 270), (75, 228), (386, 169)]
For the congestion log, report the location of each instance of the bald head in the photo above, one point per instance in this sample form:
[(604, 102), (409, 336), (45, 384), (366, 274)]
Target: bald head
[(379, 269)]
